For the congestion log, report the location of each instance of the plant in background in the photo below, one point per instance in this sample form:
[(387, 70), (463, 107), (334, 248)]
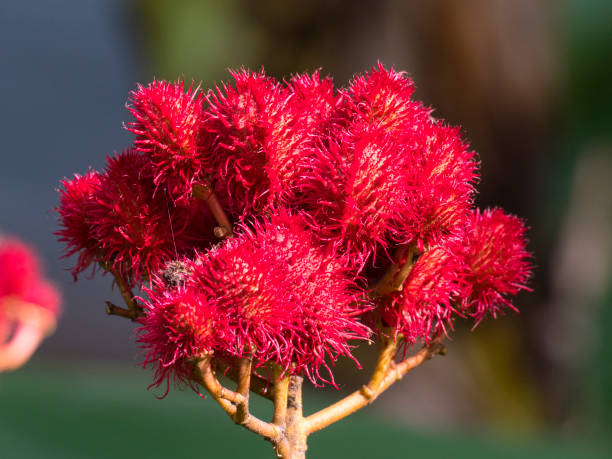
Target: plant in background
[(273, 226), (29, 304)]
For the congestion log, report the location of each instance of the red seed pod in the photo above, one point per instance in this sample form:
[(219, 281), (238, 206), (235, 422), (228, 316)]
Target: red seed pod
[(167, 128), (496, 260), (77, 197), (131, 220), (258, 140), (179, 326), (422, 310)]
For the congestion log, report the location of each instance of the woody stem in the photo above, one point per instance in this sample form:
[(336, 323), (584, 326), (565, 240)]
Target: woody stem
[(293, 443), (281, 392), (259, 385), (386, 373), (205, 193), (397, 273), (235, 404)]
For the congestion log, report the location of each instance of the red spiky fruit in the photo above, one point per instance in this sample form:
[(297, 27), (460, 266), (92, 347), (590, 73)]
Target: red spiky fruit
[(77, 197), (167, 128), (497, 262), (422, 310)]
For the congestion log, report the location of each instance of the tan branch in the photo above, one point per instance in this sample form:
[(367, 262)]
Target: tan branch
[(126, 292), (259, 385), (397, 371), (293, 445), (367, 394), (205, 193), (114, 310), (393, 279), (134, 310), (224, 396), (385, 358), (244, 384), (230, 401), (281, 391)]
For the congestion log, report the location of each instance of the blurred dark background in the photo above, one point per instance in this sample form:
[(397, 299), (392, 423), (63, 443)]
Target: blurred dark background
[(529, 81)]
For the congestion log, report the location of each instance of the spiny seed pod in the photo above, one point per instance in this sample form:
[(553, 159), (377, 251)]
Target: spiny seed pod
[(283, 299), (167, 128), (77, 196), (497, 262), (257, 142), (440, 173), (422, 310), (179, 325), (131, 221), (354, 187)]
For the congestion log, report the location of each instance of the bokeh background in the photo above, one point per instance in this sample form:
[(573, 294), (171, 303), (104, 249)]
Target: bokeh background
[(528, 80)]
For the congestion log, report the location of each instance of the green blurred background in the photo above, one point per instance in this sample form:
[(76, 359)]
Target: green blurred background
[(529, 81)]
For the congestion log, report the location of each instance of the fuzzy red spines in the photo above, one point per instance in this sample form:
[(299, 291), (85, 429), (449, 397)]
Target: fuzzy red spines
[(422, 310), (132, 222), (356, 183), (287, 301), (77, 195), (314, 100), (255, 142), (264, 144), (354, 188), (441, 173), (384, 97), (21, 277), (121, 219), (496, 260), (167, 129), (192, 226), (179, 325), (439, 168), (316, 109)]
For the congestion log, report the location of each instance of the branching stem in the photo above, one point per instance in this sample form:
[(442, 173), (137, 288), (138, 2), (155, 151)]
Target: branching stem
[(289, 430), (114, 310), (386, 373), (134, 310), (235, 404), (259, 385)]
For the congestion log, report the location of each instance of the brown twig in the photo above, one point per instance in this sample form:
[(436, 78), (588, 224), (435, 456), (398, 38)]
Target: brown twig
[(293, 445), (397, 371), (367, 394), (126, 292), (205, 193), (385, 358), (208, 379), (393, 279), (114, 310), (281, 391), (134, 310), (244, 384), (259, 385), (230, 401)]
